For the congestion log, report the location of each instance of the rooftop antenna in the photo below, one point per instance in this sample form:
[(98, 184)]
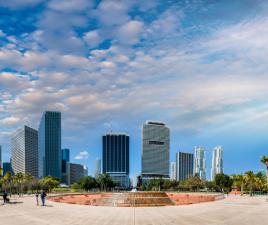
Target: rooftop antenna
[(110, 125)]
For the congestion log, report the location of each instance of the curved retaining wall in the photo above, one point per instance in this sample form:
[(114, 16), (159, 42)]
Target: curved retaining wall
[(136, 199)]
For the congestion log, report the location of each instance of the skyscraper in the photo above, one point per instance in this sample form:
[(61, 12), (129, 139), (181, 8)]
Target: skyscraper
[(200, 162), (24, 151), (184, 165), (49, 144), (7, 168), (74, 172), (115, 157), (217, 162), (155, 150), (173, 170), (97, 167), (65, 158)]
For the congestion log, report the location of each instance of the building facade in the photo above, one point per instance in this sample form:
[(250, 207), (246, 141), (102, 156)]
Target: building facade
[(173, 171), (217, 162), (49, 145), (74, 172), (24, 151), (200, 162), (65, 158), (115, 157), (97, 167), (7, 168), (184, 165), (155, 150)]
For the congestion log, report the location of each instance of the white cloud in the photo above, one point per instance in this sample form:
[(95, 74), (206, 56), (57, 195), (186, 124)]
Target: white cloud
[(10, 121), (129, 33), (82, 155), (92, 38), (113, 12)]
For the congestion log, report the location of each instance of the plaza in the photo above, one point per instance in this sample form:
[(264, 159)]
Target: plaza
[(233, 210)]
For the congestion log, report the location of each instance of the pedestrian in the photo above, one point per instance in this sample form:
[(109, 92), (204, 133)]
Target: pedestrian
[(43, 197), (5, 197), (37, 198)]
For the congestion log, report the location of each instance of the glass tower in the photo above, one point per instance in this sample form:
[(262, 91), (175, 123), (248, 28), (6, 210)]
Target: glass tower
[(24, 151), (115, 156), (65, 154), (184, 165), (155, 150), (49, 145), (200, 162), (217, 162)]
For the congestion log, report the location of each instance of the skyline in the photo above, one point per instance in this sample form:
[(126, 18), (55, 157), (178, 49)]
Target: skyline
[(197, 66)]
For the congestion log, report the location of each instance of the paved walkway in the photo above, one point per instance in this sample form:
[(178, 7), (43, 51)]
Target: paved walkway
[(234, 210)]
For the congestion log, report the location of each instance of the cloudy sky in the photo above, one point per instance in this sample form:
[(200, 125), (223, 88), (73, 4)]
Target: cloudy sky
[(198, 65)]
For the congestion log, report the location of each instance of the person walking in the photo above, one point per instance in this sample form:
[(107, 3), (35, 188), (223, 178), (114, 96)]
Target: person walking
[(43, 197), (37, 198), (5, 197)]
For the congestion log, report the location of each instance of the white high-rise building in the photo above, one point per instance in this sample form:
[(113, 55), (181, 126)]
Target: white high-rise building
[(173, 171), (97, 167), (200, 162), (24, 151), (217, 162)]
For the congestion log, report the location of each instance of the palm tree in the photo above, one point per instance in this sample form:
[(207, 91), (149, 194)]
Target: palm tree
[(250, 179), (19, 178), (264, 160)]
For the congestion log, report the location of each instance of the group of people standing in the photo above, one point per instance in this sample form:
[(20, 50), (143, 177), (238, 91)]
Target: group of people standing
[(43, 196)]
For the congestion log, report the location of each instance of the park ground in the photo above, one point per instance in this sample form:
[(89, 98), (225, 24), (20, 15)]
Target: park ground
[(233, 210)]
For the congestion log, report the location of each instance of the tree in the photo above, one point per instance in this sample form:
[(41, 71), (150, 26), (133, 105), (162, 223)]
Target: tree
[(49, 182), (264, 160), (224, 182), (87, 183), (194, 183), (250, 180), (105, 182)]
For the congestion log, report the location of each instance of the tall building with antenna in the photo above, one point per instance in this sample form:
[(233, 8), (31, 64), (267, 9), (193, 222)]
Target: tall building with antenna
[(115, 157)]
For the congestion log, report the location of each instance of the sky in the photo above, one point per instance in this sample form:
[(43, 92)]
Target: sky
[(200, 66)]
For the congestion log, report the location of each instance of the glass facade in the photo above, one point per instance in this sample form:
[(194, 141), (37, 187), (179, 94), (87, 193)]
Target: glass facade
[(24, 151), (184, 165), (115, 156), (155, 150), (7, 168), (49, 144), (200, 162), (65, 158), (217, 162)]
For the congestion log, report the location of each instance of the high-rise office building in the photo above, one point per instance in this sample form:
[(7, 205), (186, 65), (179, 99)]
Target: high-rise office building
[(24, 151), (7, 168), (173, 171), (74, 172), (85, 171), (155, 150), (65, 158), (115, 157), (217, 162), (184, 165), (97, 167), (49, 144), (200, 162)]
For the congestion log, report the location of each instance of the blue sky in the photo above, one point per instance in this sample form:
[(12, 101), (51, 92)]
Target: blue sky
[(200, 66)]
